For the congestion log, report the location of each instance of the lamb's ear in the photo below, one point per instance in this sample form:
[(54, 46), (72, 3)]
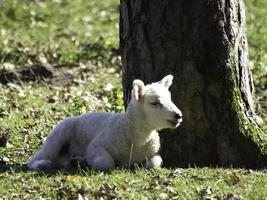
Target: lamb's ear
[(166, 81), (138, 89)]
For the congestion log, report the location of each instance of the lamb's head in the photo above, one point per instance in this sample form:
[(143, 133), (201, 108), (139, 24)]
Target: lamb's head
[(155, 104)]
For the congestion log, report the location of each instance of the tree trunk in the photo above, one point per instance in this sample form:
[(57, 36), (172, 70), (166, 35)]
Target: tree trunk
[(203, 44)]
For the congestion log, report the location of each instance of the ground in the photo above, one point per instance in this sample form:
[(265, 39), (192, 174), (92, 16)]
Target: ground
[(77, 41)]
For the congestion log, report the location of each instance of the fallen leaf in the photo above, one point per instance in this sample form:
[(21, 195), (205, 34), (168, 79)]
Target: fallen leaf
[(177, 172), (105, 194), (73, 178), (108, 87), (205, 193), (163, 196), (5, 159), (80, 197), (107, 190), (233, 179)]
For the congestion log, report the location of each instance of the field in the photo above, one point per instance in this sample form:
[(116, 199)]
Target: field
[(77, 42)]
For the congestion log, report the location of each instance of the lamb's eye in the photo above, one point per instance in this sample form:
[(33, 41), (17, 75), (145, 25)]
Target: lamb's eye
[(156, 103)]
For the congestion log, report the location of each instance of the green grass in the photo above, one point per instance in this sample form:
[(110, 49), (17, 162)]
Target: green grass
[(194, 183), (257, 41), (57, 31), (257, 38), (85, 33)]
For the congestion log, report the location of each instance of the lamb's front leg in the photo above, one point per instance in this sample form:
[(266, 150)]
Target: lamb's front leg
[(154, 161), (99, 159)]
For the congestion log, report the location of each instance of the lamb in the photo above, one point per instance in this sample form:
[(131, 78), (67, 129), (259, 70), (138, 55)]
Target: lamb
[(107, 140)]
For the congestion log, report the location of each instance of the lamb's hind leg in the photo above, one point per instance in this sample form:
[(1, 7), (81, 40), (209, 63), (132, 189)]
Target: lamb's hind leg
[(51, 156), (54, 147), (99, 159)]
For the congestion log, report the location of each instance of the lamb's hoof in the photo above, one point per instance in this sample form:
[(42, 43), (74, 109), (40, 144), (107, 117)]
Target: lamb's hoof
[(40, 164), (154, 162)]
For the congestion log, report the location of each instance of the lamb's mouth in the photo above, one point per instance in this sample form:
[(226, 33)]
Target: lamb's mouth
[(175, 123)]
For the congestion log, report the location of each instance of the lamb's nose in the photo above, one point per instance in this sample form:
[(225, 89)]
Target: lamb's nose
[(178, 115)]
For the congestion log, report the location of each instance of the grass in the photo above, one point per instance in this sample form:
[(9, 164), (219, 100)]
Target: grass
[(257, 38), (57, 31), (82, 36), (194, 183)]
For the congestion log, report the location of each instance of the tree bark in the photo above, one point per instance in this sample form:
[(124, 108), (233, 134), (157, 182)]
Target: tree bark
[(203, 44)]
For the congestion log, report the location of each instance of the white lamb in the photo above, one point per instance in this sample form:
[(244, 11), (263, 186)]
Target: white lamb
[(107, 140)]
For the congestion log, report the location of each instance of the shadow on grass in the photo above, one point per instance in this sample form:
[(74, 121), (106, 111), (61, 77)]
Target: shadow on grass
[(72, 170), (13, 167), (75, 169)]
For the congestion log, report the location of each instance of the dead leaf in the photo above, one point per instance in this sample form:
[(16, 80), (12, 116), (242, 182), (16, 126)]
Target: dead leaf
[(99, 194), (177, 172), (233, 179), (205, 193), (5, 159), (163, 196), (80, 197), (107, 190), (197, 178), (73, 178), (3, 139), (108, 87)]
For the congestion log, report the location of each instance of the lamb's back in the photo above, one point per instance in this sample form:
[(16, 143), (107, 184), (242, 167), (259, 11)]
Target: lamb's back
[(94, 123)]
